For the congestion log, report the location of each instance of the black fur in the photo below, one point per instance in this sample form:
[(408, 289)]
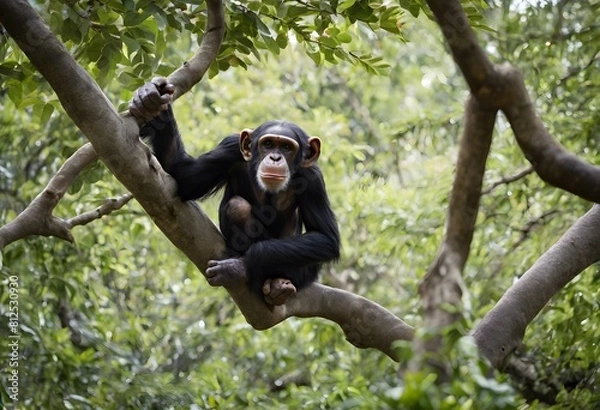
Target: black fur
[(275, 247)]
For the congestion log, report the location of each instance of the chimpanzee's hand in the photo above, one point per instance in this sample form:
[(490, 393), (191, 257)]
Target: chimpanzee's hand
[(228, 272), (151, 98)]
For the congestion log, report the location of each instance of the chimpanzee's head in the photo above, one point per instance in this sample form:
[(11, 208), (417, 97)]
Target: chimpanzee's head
[(276, 150)]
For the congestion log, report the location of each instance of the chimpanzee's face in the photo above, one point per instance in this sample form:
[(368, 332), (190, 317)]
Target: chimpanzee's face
[(276, 151)]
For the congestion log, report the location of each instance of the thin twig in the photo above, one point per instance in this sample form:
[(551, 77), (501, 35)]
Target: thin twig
[(110, 205), (507, 180)]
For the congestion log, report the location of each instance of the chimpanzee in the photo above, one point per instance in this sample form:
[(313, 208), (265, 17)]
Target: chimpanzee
[(273, 187)]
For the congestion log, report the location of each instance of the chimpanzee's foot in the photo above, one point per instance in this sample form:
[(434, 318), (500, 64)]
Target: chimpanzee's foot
[(226, 273), (277, 291)]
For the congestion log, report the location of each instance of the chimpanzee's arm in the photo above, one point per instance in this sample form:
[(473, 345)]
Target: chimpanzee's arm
[(165, 139), (196, 177), (321, 241)]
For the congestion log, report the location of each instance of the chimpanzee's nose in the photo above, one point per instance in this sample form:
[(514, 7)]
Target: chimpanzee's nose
[(275, 157)]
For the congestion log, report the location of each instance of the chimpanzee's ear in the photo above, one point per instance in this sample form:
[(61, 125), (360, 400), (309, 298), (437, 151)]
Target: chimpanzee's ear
[(312, 153), (245, 149)]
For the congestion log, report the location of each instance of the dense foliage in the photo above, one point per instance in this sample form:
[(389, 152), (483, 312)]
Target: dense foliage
[(120, 319)]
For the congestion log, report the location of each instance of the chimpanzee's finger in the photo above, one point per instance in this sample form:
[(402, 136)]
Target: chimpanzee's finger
[(159, 82), (136, 107), (169, 88), (151, 97)]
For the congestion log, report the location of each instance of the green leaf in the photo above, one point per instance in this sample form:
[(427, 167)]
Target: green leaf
[(344, 37), (11, 70), (345, 5), (15, 93), (133, 18), (70, 31), (412, 6), (316, 57), (106, 16), (362, 12), (295, 11), (46, 113), (282, 40), (76, 186), (94, 50)]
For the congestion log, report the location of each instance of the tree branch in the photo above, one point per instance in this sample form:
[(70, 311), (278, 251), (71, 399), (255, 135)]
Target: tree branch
[(114, 138), (110, 205), (68, 320), (507, 180), (443, 286), (365, 323), (192, 71), (501, 330), (552, 162), (468, 54), (534, 384), (37, 218)]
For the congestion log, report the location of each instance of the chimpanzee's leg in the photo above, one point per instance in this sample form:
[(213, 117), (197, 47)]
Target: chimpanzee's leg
[(242, 231)]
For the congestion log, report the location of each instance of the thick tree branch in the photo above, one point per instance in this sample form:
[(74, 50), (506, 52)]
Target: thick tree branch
[(365, 323), (468, 54), (115, 139), (501, 330), (443, 286), (552, 162), (503, 87)]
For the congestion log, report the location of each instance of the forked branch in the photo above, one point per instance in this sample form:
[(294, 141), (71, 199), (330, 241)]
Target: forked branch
[(38, 219), (114, 138)]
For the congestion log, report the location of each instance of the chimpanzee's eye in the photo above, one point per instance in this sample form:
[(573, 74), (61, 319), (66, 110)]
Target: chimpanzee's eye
[(268, 144), (286, 147)]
